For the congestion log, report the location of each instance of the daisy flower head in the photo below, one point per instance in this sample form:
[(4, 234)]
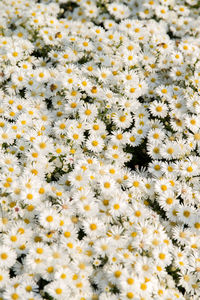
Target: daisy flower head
[(142, 127), (76, 135), (118, 137), (4, 277), (14, 239), (162, 11), (133, 138), (167, 201), (170, 150), (43, 144), (60, 127), (180, 260), (95, 143), (187, 280), (85, 45), (192, 123), (164, 91), (162, 255), (7, 136), (195, 224), (88, 112), (154, 150), (7, 257), (118, 205), (155, 168), (185, 214), (77, 178), (15, 55), (107, 185), (178, 73), (136, 183), (156, 134), (177, 57), (13, 292), (97, 127), (162, 186), (144, 265), (49, 219), (185, 47), (178, 107), (130, 59), (172, 214), (194, 262), (94, 227), (115, 273), (92, 11), (87, 209), (122, 120), (119, 11), (158, 109), (189, 167), (72, 105), (58, 290)]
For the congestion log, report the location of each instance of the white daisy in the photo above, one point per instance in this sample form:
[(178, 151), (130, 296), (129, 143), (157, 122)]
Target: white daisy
[(7, 257)]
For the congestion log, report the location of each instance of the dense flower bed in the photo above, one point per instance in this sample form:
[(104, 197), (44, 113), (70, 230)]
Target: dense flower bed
[(99, 149)]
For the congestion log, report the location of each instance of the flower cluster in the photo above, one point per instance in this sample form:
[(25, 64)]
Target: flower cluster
[(99, 150)]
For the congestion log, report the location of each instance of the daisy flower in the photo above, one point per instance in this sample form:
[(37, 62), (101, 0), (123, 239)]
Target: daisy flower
[(145, 266), (155, 168), (187, 280), (158, 109), (88, 112), (154, 149), (57, 290), (163, 186), (172, 213), (107, 184), (156, 134), (95, 143), (119, 11), (118, 206), (7, 257), (94, 227), (122, 120), (195, 224), (133, 138), (162, 256), (181, 260), (87, 209), (114, 273), (49, 219), (192, 123), (170, 150), (167, 201), (185, 214)]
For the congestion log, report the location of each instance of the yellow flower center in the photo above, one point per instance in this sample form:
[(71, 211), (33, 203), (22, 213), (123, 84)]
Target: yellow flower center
[(4, 256), (107, 185), (49, 219), (93, 226), (162, 256), (58, 291)]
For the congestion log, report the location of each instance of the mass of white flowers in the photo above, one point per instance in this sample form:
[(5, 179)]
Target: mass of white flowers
[(99, 149)]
